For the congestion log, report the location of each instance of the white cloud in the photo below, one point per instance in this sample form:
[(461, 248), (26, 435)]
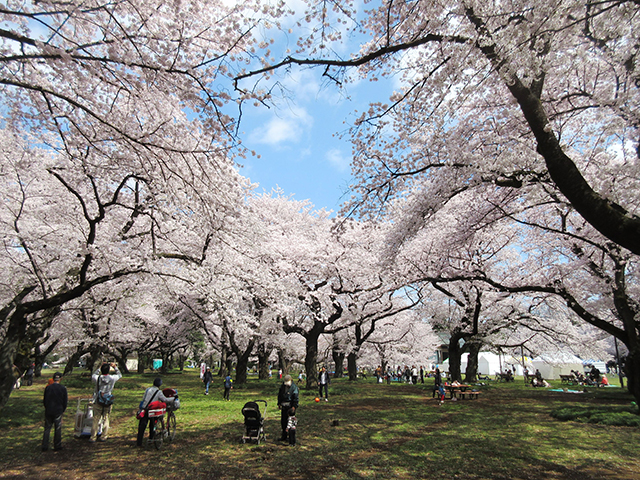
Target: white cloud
[(289, 126), (339, 161)]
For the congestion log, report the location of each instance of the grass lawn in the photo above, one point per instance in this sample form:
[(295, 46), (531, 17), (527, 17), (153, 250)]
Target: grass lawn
[(365, 431)]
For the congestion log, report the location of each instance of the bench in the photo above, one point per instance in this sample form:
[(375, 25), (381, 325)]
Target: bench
[(567, 379), (470, 393)]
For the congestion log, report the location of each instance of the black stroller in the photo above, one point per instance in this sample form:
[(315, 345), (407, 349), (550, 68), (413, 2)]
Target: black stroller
[(254, 421)]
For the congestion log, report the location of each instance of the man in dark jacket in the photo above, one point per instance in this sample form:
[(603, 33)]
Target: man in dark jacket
[(323, 383), (55, 403), (288, 397), (207, 378)]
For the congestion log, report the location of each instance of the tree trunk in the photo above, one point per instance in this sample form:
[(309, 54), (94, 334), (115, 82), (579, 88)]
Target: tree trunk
[(241, 370), (338, 360), (40, 356), (311, 355), (471, 374), (121, 359), (243, 361), (223, 372), (632, 370), (352, 366), (229, 365), (74, 358), (96, 357), (8, 350), (455, 357), (164, 368), (284, 363), (263, 362), (142, 358)]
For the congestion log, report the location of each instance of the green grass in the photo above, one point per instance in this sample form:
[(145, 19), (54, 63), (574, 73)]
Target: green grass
[(365, 431)]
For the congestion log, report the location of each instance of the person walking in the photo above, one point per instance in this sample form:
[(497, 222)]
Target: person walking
[(151, 394), (103, 399), (55, 403), (228, 385), (323, 383), (207, 378), (288, 397)]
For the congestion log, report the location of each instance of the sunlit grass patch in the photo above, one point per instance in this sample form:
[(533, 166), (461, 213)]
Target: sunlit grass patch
[(366, 430), (622, 416)]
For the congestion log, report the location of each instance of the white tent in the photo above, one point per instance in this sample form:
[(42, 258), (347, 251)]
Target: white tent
[(515, 362), (488, 363), (551, 367)]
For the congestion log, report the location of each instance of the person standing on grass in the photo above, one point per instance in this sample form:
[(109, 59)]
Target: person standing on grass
[(104, 390), (207, 378), (228, 385), (55, 403), (29, 375), (323, 383), (437, 382), (151, 394), (288, 397), (292, 423)]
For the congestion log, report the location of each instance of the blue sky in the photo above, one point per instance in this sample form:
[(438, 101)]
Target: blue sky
[(298, 140)]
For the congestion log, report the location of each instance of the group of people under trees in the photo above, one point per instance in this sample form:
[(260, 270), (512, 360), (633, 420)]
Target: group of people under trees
[(412, 375), (105, 377), (593, 378), (55, 401), (207, 379)]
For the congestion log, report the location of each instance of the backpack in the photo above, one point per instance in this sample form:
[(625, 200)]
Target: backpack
[(227, 382), (103, 398)]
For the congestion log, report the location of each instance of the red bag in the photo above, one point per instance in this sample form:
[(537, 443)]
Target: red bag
[(157, 409)]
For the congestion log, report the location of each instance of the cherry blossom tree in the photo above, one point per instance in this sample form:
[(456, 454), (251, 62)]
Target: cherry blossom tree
[(116, 151), (502, 93)]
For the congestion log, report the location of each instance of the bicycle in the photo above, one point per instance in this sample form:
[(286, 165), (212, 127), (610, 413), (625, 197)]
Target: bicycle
[(164, 431)]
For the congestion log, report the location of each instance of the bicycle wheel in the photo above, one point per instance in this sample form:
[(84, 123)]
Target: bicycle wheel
[(158, 434), (171, 426)]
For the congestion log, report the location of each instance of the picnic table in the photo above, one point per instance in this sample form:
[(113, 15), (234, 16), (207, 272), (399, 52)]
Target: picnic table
[(461, 391)]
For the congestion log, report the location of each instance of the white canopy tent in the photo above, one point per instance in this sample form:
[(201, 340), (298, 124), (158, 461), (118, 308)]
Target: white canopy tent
[(488, 363), (552, 366)]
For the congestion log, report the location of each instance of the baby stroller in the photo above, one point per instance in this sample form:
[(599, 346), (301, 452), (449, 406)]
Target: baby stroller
[(254, 421)]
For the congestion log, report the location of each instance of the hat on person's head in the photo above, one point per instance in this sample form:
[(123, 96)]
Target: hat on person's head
[(157, 382), (287, 378), (57, 376)]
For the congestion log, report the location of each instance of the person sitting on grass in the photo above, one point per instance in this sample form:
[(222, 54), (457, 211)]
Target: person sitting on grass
[(538, 381)]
